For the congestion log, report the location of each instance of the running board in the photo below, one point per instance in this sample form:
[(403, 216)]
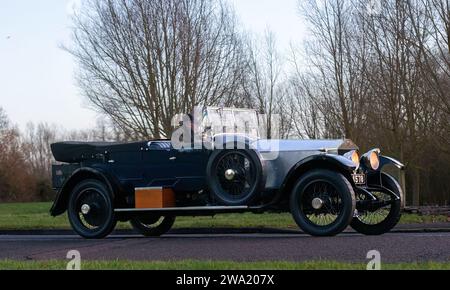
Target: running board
[(180, 211)]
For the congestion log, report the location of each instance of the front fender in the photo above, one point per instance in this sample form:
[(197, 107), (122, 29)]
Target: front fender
[(384, 160), (340, 162), (322, 161), (62, 198)]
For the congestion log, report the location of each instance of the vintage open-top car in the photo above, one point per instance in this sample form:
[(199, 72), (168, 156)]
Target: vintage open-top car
[(325, 184)]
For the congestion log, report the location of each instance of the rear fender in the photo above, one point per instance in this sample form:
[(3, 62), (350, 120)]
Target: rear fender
[(62, 199)]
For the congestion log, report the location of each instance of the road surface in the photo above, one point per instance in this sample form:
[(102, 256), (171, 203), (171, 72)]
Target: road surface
[(347, 247)]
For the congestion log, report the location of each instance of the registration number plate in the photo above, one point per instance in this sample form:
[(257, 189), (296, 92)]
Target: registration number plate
[(359, 179)]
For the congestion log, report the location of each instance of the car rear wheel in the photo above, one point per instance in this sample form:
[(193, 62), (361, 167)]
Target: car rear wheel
[(322, 203), (383, 219), (152, 226), (91, 211), (235, 177)]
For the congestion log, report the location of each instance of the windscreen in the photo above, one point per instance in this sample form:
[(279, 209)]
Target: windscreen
[(234, 121)]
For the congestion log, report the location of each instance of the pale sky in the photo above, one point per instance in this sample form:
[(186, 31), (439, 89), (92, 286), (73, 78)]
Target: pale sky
[(37, 77)]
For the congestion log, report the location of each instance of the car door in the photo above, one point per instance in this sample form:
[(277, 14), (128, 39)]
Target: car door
[(158, 164), (190, 168), (126, 162)]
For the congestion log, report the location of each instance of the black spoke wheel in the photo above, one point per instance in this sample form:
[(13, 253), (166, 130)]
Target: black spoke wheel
[(234, 176), (152, 226), (381, 219), (322, 203), (321, 193), (91, 211)]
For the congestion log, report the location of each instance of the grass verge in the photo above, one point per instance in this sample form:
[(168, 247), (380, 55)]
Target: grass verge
[(213, 265), (35, 216)]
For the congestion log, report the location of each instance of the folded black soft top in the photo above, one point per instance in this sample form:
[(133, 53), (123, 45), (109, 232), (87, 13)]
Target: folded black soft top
[(75, 152)]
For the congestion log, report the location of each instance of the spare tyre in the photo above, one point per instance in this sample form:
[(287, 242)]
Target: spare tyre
[(235, 177)]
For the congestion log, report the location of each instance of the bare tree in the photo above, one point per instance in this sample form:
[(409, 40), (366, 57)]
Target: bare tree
[(306, 117), (141, 62), (4, 122), (265, 85), (36, 145), (431, 22), (335, 59), (379, 78), (16, 182)]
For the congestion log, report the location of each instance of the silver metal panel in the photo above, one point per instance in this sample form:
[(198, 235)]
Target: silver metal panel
[(298, 145), (278, 169), (149, 188)]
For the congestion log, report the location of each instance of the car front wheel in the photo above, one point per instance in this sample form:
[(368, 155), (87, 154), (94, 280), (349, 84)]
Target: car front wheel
[(323, 203), (381, 219), (91, 211)]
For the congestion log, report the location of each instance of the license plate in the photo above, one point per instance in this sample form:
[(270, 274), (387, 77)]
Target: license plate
[(359, 179)]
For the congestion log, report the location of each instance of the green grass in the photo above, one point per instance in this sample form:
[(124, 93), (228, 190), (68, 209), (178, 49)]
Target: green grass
[(421, 219), (212, 265), (28, 216), (35, 216)]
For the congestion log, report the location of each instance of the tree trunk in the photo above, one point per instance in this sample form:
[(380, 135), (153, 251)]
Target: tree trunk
[(416, 189)]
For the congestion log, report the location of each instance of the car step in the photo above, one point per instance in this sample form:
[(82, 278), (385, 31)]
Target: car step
[(207, 210)]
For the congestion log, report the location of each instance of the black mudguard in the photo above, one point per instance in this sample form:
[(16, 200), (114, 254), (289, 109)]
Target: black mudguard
[(62, 197)]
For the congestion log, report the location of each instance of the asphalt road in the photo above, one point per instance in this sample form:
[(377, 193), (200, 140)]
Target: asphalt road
[(349, 247)]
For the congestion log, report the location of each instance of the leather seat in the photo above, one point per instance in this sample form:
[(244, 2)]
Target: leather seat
[(160, 145)]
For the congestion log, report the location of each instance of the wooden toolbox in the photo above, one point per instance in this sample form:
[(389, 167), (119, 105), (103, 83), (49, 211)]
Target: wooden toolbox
[(154, 197)]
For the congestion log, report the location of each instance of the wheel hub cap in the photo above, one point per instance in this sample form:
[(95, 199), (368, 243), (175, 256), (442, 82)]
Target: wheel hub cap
[(85, 209), (317, 203), (230, 174)]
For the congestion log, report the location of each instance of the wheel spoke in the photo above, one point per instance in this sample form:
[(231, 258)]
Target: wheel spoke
[(379, 215), (243, 180), (331, 207), (97, 215)]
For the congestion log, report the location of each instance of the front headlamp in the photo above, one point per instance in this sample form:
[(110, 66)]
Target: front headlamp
[(354, 156), (372, 159)]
